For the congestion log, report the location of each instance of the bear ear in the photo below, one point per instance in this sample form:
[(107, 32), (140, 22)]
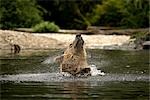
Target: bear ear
[(70, 45)]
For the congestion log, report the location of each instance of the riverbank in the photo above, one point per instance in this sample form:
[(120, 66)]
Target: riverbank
[(91, 41), (48, 41)]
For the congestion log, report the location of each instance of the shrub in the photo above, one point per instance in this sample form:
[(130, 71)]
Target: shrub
[(141, 36), (45, 27)]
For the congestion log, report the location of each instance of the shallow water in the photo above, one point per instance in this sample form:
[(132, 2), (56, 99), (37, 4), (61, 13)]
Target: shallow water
[(30, 75)]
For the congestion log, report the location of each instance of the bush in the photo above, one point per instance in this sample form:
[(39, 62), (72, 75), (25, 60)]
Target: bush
[(144, 36), (45, 27)]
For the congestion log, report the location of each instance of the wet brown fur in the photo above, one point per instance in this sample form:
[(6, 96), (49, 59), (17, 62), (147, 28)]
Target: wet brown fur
[(74, 59)]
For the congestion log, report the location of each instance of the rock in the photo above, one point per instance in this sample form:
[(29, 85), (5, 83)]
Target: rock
[(146, 45)]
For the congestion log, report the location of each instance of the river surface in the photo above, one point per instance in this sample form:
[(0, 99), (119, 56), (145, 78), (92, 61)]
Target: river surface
[(32, 75)]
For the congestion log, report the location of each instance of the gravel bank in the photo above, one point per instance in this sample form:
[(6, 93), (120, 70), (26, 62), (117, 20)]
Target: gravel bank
[(91, 41), (47, 41)]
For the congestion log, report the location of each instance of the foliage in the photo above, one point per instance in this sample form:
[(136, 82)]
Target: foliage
[(45, 27), (137, 14), (140, 37), (68, 13), (109, 13), (145, 36), (124, 13), (75, 14), (18, 13), (80, 14)]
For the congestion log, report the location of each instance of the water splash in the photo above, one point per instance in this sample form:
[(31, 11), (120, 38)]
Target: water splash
[(48, 60), (94, 71)]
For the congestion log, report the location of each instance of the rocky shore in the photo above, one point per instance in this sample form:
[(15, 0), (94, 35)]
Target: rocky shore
[(54, 41), (26, 40)]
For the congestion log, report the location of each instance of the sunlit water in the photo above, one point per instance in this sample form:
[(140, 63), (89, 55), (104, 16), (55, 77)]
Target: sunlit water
[(32, 75)]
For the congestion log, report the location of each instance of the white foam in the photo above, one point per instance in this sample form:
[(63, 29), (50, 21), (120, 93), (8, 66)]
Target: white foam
[(94, 71), (66, 74)]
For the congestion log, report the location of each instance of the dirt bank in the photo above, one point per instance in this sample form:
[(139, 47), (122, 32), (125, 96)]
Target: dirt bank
[(91, 41), (26, 40), (47, 41)]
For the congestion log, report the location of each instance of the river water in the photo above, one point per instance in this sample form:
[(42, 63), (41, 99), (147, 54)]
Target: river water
[(32, 75)]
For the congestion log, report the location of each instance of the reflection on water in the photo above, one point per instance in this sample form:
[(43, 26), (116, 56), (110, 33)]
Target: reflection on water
[(75, 91), (24, 76)]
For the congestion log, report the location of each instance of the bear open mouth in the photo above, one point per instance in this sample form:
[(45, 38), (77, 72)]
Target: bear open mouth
[(78, 42)]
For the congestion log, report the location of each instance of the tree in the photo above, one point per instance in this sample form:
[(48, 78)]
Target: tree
[(121, 13), (18, 13), (68, 13), (137, 14)]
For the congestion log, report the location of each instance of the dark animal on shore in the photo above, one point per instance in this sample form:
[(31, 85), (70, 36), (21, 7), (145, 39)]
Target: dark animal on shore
[(15, 48)]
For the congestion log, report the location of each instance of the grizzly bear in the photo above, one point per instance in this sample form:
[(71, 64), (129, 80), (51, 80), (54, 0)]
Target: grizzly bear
[(74, 59)]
